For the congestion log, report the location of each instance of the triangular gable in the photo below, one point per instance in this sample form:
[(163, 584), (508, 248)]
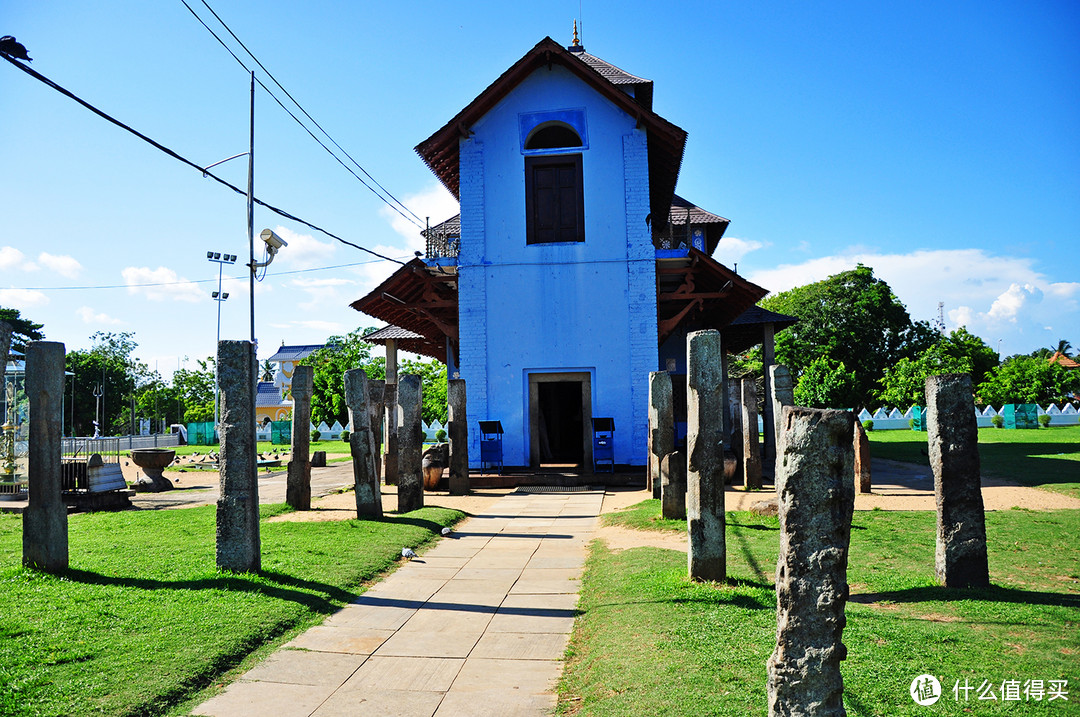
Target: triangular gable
[(666, 140)]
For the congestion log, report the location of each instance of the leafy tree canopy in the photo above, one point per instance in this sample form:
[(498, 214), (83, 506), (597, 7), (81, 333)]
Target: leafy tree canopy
[(22, 330), (905, 382), (825, 384), (851, 318), (329, 365), (1027, 379)]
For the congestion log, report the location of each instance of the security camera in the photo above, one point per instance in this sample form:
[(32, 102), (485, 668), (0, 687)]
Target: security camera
[(272, 240)]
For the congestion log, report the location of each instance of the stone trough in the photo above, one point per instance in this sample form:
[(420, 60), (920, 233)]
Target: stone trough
[(153, 462)]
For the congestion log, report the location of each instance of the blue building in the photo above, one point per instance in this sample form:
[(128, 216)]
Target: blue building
[(573, 269)]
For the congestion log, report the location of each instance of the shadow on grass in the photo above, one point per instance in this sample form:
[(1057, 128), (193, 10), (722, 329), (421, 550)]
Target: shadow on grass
[(281, 587), (991, 594)]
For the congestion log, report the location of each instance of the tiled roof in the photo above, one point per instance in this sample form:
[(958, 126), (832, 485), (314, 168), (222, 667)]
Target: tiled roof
[(390, 332), (269, 395), (295, 353), (451, 227), (610, 72), (680, 209)]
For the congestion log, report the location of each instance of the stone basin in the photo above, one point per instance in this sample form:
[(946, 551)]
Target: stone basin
[(153, 462)]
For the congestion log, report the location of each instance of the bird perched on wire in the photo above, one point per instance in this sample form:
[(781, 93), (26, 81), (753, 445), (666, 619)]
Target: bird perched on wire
[(447, 531), (408, 553), (13, 48)]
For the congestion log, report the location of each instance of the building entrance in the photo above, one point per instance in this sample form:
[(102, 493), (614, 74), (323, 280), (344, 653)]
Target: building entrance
[(560, 409)]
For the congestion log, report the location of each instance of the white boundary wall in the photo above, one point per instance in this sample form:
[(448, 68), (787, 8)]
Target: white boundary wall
[(886, 419)]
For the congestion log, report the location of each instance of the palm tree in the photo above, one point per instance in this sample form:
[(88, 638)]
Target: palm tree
[(1064, 347), (267, 371)]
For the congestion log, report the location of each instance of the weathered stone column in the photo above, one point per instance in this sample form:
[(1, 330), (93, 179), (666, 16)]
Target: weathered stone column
[(376, 393), (862, 458), (298, 480), (733, 416), (960, 558), (410, 458), (673, 486), (45, 524), (457, 425), (751, 444), (238, 505), (783, 394), (390, 454), (816, 500), (362, 446), (661, 426), (707, 556)]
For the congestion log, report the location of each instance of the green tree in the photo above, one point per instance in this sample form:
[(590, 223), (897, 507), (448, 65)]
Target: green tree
[(433, 378), (195, 388), (22, 330), (329, 365), (109, 369), (851, 318), (826, 384), (961, 345), (1027, 379), (904, 384)]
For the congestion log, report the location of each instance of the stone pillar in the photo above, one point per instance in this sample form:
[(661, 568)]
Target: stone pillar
[(661, 426), (376, 393), (816, 499), (783, 394), (410, 459), (707, 556), (238, 505), (457, 429), (862, 458), (45, 524), (673, 486), (952, 432), (390, 454), (298, 480), (362, 446), (768, 422), (751, 453), (733, 417)]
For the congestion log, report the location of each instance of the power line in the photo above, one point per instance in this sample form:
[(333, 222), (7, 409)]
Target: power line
[(414, 219), (280, 212), (187, 281)]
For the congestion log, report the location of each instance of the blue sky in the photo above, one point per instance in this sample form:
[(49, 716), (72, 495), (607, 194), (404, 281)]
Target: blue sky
[(937, 142)]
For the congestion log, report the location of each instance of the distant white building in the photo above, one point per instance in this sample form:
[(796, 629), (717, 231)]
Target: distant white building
[(273, 402)]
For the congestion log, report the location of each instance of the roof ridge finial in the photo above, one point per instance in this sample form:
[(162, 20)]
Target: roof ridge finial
[(576, 47)]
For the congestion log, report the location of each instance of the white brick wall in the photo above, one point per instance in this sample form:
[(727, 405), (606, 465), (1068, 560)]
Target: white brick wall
[(472, 291)]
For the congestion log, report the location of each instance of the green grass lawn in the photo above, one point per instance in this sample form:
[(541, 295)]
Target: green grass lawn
[(1047, 458), (649, 642), (331, 447), (143, 622)]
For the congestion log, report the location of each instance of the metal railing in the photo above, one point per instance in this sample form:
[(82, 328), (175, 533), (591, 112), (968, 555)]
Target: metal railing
[(109, 448), (442, 242)]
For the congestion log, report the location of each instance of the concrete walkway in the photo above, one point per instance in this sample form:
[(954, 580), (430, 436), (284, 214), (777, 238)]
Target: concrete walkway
[(475, 626)]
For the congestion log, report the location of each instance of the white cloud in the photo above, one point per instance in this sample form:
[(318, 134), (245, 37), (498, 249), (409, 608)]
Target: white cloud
[(434, 202), (322, 294), (1009, 304), (996, 297), (22, 299), (63, 265), (167, 286), (88, 316), (10, 257), (731, 250)]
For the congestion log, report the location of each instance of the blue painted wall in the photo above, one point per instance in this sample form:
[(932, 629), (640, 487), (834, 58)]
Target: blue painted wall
[(552, 308)]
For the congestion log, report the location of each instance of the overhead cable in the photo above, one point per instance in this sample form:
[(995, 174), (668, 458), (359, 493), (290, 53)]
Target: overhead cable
[(280, 212), (413, 219)]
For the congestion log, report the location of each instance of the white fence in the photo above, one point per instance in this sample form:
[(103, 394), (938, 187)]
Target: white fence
[(886, 419), (333, 433)]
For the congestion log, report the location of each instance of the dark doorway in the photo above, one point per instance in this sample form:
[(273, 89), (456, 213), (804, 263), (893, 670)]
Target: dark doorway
[(560, 423), (560, 409)]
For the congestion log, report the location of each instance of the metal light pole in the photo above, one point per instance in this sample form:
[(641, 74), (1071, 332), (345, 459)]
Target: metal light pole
[(219, 296)]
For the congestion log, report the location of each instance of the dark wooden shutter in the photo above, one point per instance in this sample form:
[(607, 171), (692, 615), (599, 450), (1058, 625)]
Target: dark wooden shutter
[(554, 199)]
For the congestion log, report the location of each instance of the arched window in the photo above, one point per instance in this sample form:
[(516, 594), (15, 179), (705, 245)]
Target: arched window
[(553, 135)]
